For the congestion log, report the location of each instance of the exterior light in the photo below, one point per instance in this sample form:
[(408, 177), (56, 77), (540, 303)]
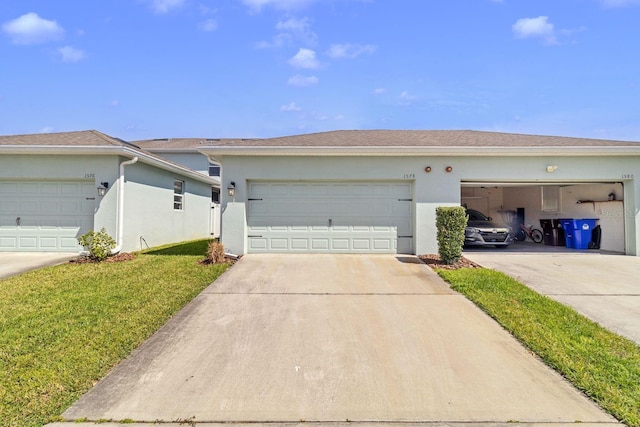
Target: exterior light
[(231, 189), (102, 189), (427, 169), (551, 168), (448, 169)]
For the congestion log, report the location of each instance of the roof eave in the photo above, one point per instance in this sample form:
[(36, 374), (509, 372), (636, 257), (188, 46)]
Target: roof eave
[(112, 151), (400, 151)]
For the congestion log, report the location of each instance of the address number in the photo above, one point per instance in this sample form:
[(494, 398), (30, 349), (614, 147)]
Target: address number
[(409, 176), (628, 176), (89, 175)]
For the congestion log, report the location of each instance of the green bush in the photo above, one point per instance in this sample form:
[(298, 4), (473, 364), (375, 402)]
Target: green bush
[(450, 222), (98, 244)]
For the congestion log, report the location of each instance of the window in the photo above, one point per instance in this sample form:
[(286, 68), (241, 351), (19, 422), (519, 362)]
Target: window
[(178, 194), (215, 195), (214, 169), (550, 198)]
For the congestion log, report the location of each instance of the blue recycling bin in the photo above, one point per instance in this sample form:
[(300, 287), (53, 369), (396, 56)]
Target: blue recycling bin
[(577, 232), (567, 225), (582, 231)]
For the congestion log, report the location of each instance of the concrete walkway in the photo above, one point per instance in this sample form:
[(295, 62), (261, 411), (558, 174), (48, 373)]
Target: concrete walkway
[(374, 340), (602, 286), (12, 263)]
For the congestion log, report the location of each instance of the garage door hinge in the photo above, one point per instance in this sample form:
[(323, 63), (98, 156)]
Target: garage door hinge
[(405, 200), (253, 235), (254, 199)]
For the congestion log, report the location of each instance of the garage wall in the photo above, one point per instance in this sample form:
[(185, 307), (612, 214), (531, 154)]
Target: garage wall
[(92, 169), (431, 189), (149, 211)]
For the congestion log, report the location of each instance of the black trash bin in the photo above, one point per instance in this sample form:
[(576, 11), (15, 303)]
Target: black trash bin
[(553, 232)]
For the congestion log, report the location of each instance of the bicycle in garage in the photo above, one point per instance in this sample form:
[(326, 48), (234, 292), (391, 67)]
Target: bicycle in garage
[(530, 232)]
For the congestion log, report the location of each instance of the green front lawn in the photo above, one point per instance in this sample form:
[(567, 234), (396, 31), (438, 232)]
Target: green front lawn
[(602, 364), (62, 328)]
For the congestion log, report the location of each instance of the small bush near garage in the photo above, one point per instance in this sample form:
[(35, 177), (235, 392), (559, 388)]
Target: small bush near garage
[(63, 328), (99, 244), (450, 222)]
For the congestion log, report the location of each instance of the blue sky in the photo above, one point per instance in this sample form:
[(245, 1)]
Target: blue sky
[(139, 69)]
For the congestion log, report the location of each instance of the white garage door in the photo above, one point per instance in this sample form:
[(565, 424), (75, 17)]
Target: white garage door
[(337, 217), (45, 215)]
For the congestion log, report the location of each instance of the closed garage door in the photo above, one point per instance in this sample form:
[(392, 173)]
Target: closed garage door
[(45, 215), (332, 217)]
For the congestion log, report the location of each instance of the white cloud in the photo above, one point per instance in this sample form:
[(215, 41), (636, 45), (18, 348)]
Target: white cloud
[(32, 29), (291, 107), (289, 30), (348, 50), (47, 129), (71, 54), (379, 91), (300, 29), (305, 58), (406, 98), (303, 81), (208, 25), (165, 6), (535, 27), (258, 5)]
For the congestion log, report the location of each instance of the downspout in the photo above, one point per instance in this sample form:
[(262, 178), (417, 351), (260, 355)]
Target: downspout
[(120, 217)]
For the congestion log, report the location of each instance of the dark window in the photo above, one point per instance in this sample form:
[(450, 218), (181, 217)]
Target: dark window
[(214, 169)]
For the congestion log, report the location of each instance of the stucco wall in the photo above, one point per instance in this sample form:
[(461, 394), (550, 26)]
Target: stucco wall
[(194, 161), (149, 212), (433, 189)]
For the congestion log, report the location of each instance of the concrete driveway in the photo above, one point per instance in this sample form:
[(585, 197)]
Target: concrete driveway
[(12, 263), (373, 340), (602, 286)]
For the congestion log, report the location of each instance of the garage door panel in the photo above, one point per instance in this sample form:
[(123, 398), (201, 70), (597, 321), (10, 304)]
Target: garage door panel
[(345, 217), (45, 215)]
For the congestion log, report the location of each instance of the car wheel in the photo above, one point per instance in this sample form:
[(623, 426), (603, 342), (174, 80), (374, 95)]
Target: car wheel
[(501, 246)]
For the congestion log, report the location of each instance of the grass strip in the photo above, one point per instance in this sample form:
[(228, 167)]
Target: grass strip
[(605, 366), (63, 328)]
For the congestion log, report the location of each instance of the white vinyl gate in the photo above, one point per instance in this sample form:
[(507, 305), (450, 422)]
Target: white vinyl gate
[(330, 217), (42, 216)]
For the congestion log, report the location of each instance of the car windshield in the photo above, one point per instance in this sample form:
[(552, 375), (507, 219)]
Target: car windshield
[(476, 215)]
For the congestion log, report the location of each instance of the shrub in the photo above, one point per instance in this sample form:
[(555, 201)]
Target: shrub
[(99, 244), (215, 252), (450, 222)]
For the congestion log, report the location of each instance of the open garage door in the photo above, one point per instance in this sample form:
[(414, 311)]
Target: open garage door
[(603, 201), (330, 217), (43, 216)]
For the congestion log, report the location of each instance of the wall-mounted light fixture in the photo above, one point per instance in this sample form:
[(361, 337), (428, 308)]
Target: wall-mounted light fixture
[(551, 168), (448, 169), (427, 169), (231, 189), (102, 189)]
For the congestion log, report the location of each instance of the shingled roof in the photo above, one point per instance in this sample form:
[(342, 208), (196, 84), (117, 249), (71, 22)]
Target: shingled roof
[(419, 138), (179, 144), (84, 138)]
